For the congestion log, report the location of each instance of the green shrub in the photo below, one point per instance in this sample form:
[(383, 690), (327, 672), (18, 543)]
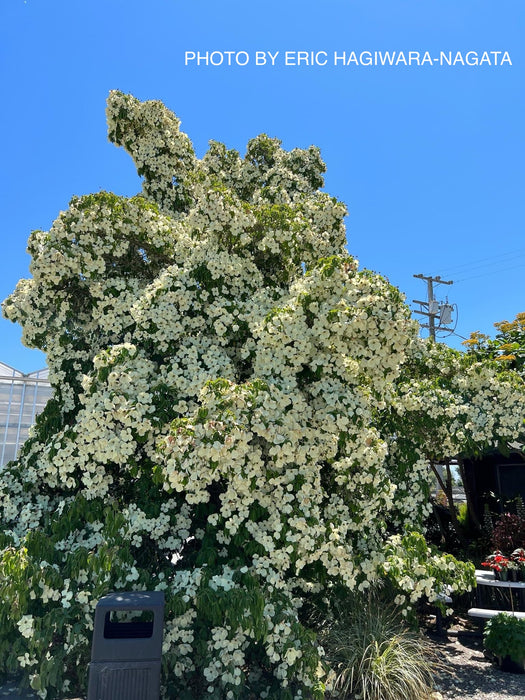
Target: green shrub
[(505, 636)]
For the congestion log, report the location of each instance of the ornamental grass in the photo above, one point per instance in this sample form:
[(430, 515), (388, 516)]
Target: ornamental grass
[(374, 655)]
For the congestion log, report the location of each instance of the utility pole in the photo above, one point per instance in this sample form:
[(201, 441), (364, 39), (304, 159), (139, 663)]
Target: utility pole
[(433, 309)]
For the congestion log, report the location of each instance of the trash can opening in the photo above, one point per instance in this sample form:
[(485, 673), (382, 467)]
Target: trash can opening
[(128, 624)]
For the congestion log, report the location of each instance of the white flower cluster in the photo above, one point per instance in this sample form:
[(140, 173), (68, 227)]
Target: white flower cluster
[(25, 625)]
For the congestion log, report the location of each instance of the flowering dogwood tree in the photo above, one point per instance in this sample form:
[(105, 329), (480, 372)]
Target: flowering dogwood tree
[(232, 421)]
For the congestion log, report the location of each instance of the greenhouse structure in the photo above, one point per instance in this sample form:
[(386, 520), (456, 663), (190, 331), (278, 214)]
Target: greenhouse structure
[(22, 397)]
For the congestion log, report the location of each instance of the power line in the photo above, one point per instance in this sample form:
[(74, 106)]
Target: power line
[(484, 262), (489, 264), (459, 336), (491, 272)]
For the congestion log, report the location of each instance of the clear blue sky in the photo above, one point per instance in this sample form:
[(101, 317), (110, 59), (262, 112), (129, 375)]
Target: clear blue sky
[(429, 159)]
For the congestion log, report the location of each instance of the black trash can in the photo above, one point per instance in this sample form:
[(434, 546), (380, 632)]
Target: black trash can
[(127, 647)]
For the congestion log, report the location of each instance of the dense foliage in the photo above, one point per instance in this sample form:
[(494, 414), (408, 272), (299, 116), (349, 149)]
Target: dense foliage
[(241, 418), (504, 635), (507, 347), (508, 533)]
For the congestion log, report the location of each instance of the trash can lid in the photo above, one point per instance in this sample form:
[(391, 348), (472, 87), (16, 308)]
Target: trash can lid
[(132, 599)]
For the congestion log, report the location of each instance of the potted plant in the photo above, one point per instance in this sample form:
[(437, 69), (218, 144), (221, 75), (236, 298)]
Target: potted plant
[(518, 556), (504, 636), (499, 563), (512, 570)]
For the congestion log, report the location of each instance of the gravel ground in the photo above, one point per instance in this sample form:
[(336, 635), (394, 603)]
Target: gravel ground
[(469, 675)]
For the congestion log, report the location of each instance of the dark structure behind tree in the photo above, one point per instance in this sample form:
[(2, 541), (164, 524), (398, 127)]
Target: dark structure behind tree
[(494, 479)]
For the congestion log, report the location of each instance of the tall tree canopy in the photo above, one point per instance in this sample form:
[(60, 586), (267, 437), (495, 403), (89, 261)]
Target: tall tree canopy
[(238, 419), (508, 347)]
